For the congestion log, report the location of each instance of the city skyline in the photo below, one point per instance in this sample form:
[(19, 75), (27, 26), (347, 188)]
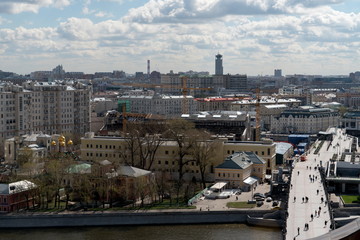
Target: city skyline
[(255, 36)]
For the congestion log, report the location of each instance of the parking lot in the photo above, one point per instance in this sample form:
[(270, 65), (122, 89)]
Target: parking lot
[(220, 204)]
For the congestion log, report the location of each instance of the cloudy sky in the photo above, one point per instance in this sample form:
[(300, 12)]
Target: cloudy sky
[(254, 36)]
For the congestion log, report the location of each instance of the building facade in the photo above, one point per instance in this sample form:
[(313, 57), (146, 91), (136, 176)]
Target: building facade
[(158, 104), (54, 107), (304, 121), (114, 149), (240, 167), (17, 195)]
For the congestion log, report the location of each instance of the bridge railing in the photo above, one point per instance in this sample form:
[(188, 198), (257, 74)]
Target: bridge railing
[(324, 183)]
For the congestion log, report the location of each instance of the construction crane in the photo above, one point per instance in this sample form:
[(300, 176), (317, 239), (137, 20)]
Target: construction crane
[(258, 117), (184, 90)]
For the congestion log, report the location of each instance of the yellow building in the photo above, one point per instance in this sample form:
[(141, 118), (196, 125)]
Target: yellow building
[(116, 149), (241, 170)]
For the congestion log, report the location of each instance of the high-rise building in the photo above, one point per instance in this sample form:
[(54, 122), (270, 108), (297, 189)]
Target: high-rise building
[(54, 107), (218, 65), (277, 73)]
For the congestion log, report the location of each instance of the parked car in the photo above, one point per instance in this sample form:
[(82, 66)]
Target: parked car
[(259, 203), (238, 192), (268, 199), (275, 203), (259, 195)]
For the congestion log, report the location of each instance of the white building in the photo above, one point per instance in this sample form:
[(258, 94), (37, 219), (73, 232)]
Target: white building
[(159, 104), (304, 121)]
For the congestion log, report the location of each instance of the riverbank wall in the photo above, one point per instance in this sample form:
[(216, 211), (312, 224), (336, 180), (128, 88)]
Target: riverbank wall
[(126, 218)]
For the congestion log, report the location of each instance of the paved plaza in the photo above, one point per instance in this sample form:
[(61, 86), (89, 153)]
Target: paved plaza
[(308, 210)]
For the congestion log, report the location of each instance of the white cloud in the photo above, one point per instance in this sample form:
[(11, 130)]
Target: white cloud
[(4, 20), (18, 6), (156, 11), (186, 34)]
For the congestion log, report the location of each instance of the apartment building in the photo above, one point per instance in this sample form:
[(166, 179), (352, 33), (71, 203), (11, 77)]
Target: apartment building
[(53, 107), (250, 104), (171, 106), (114, 149), (305, 121)]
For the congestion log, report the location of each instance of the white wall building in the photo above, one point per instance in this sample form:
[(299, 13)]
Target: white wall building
[(159, 104), (304, 121)]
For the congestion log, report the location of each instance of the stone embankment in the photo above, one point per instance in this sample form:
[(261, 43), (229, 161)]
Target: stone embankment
[(125, 218)]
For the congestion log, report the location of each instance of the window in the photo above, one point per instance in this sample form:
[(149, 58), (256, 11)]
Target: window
[(268, 151), (263, 153), (159, 162), (166, 152), (166, 162), (238, 175)]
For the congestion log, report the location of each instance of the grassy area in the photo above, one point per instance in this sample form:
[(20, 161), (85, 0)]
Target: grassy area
[(349, 198), (240, 205), (166, 204)]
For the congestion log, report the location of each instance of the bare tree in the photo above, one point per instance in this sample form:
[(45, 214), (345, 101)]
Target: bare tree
[(179, 130), (202, 150)]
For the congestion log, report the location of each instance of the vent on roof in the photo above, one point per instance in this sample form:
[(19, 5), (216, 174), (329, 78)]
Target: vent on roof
[(12, 188)]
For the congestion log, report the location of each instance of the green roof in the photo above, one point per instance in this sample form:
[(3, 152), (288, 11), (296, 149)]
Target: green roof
[(241, 160), (80, 168)]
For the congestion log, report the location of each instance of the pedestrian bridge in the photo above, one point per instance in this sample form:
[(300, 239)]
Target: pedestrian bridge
[(309, 215)]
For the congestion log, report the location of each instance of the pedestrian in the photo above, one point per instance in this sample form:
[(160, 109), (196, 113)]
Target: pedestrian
[(305, 228), (325, 223), (325, 203), (310, 168), (294, 199), (317, 192), (312, 217), (291, 186), (298, 231), (322, 199), (319, 208), (303, 199), (298, 173), (237, 198), (315, 213), (307, 167), (319, 213), (307, 199), (315, 177)]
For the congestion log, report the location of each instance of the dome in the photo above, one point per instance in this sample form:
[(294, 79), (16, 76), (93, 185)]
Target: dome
[(70, 142), (61, 138), (62, 144), (53, 143)]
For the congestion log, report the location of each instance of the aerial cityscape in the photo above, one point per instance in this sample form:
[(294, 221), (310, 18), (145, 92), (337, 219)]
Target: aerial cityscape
[(140, 119)]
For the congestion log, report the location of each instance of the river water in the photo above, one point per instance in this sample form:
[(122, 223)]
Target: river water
[(177, 232)]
